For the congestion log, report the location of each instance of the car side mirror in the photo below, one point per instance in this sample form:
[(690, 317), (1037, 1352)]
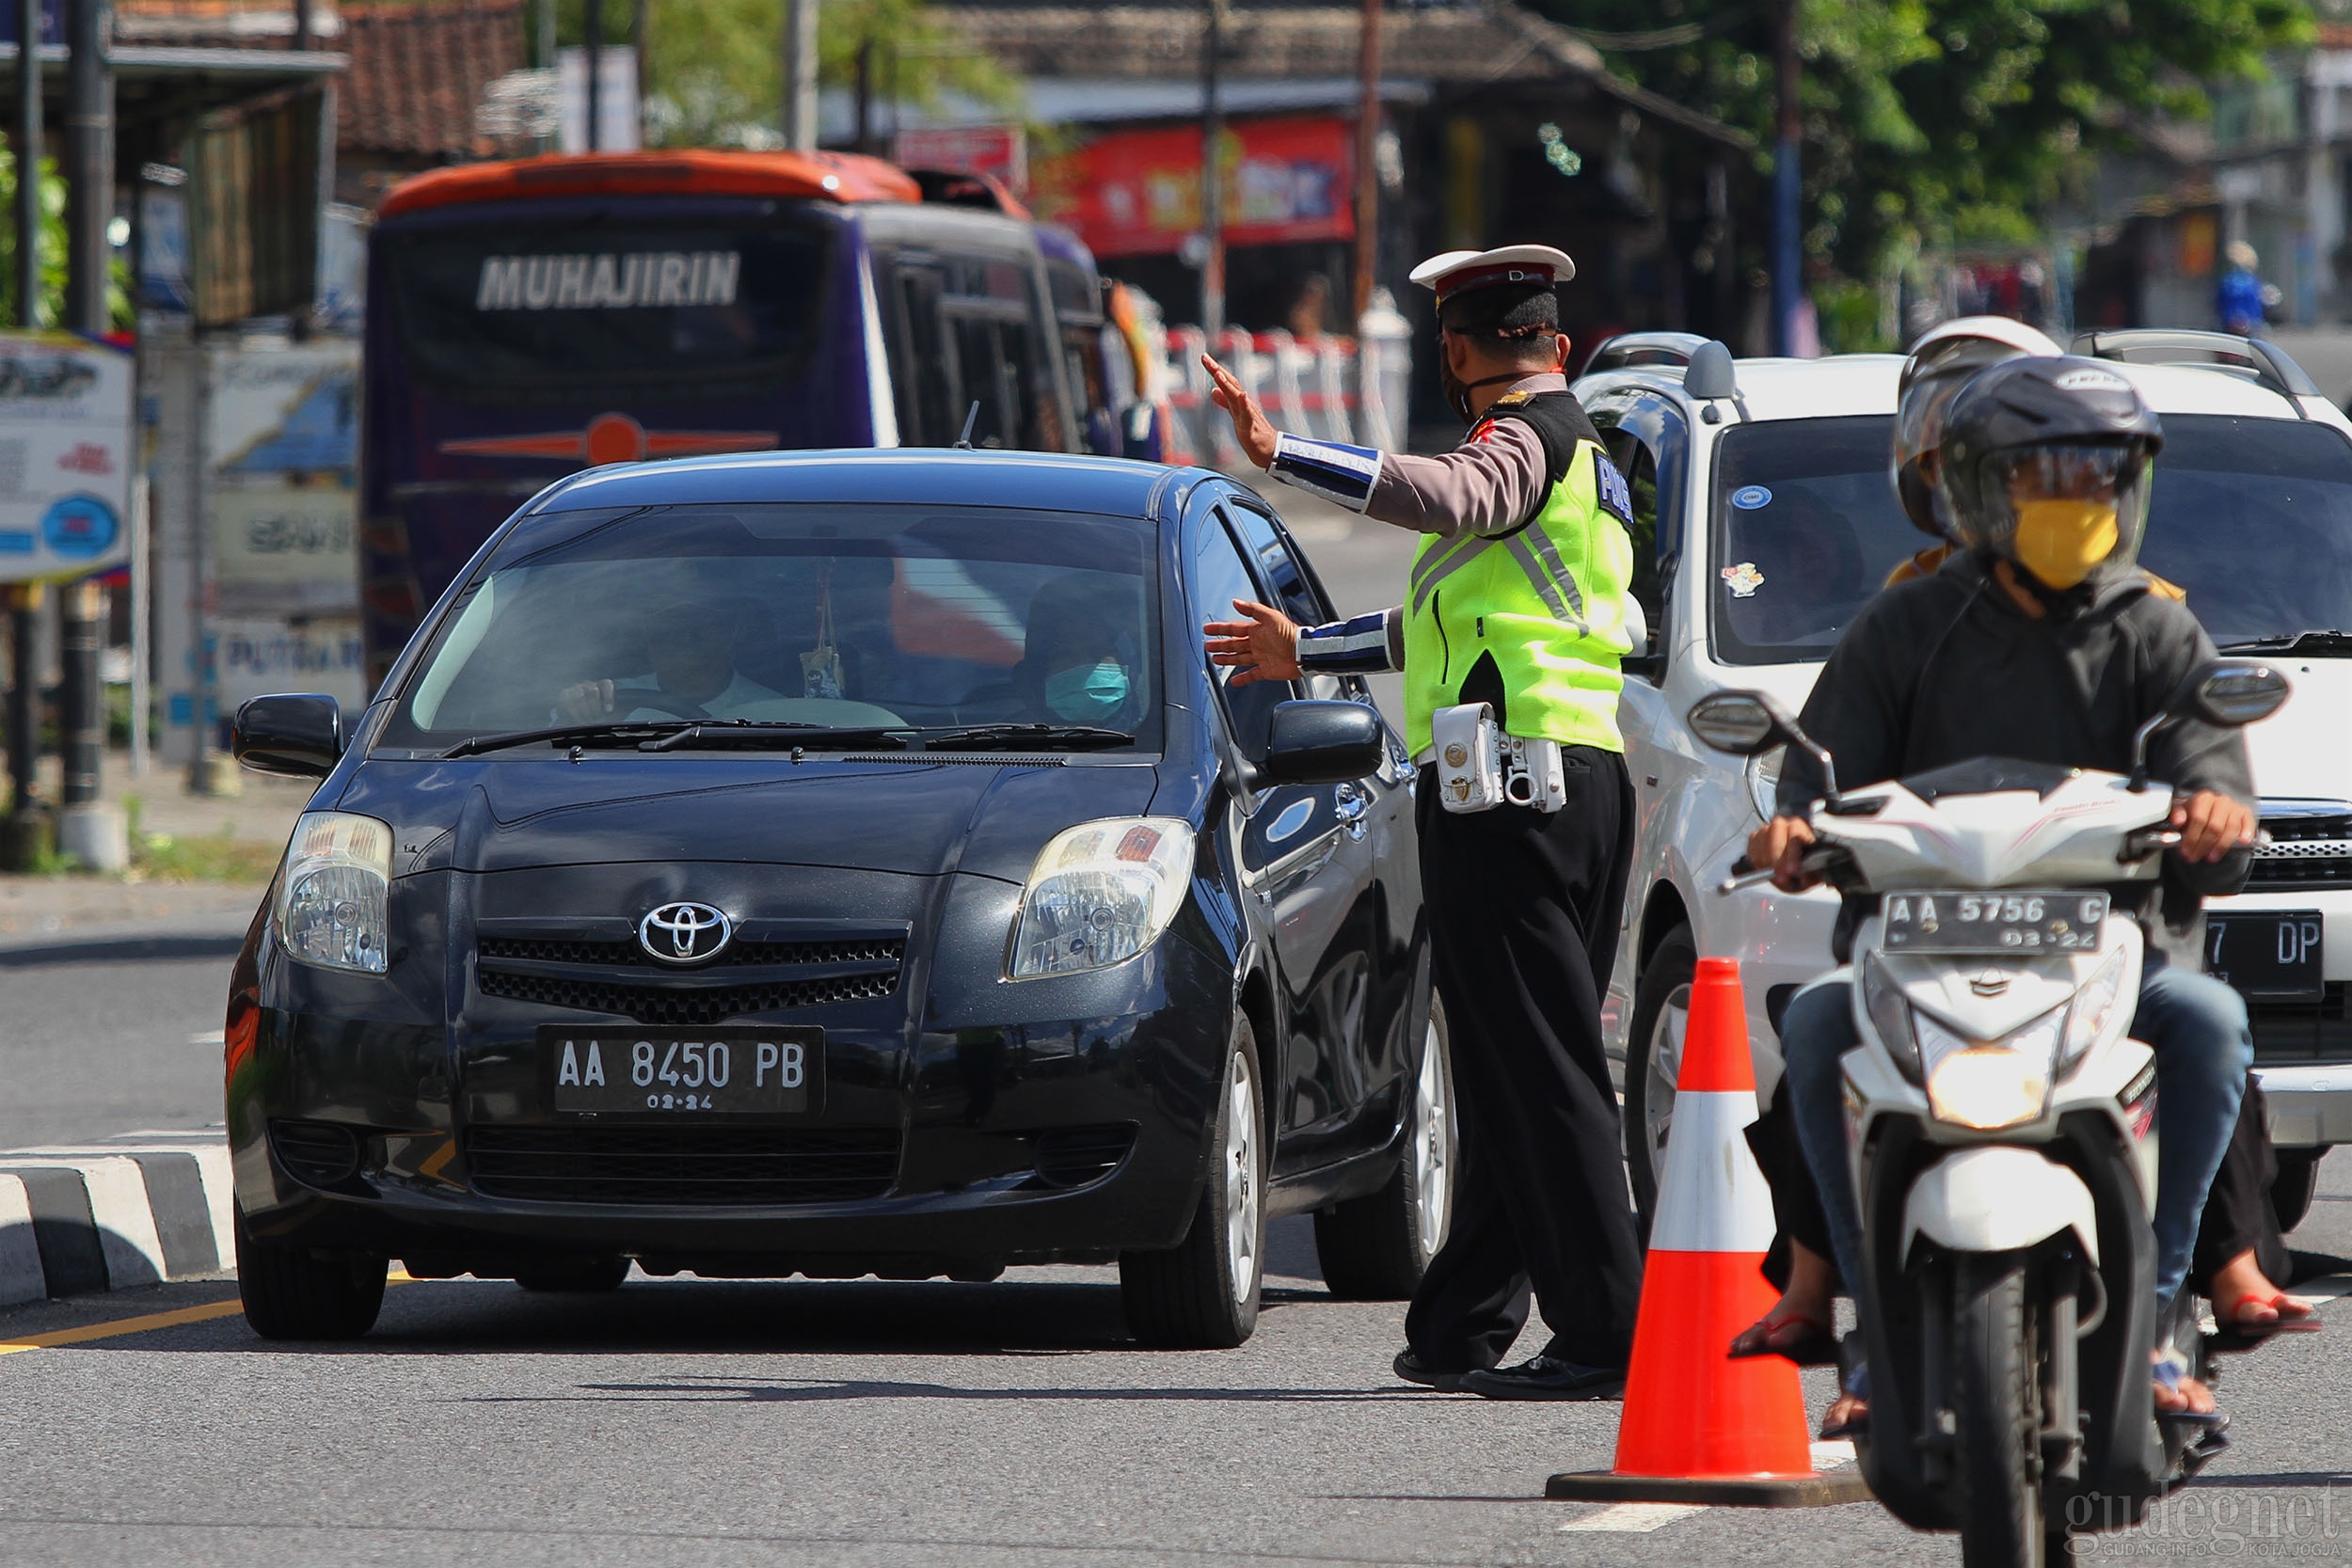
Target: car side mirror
[(296, 737), (1318, 742)]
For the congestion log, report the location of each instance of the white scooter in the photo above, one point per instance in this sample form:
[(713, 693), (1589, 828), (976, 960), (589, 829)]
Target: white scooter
[(2000, 1128)]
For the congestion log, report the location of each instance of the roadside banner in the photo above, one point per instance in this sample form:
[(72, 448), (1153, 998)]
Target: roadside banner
[(65, 456)]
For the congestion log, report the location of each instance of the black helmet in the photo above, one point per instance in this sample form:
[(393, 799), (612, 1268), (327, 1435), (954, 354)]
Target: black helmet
[(2046, 461)]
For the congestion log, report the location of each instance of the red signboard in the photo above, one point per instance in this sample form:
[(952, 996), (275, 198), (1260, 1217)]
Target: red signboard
[(1133, 192), (999, 152)]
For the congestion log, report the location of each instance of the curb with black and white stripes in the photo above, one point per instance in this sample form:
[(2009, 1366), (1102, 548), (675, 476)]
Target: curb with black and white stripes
[(132, 1209)]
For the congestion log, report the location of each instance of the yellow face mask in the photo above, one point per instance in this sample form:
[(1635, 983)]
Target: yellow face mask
[(2060, 539)]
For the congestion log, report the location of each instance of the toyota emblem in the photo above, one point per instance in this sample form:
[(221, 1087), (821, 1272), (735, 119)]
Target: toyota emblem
[(684, 933)]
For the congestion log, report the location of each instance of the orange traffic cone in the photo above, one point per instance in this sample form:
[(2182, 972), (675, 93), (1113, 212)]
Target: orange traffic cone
[(1699, 1427)]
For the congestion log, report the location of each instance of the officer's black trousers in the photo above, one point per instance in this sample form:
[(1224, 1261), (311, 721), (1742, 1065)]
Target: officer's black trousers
[(1523, 910)]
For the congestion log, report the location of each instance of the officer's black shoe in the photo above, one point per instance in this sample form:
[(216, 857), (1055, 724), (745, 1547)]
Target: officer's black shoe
[(1410, 1368), (1546, 1377)]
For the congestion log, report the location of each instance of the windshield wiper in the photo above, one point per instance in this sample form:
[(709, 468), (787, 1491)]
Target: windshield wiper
[(777, 733), (1026, 738), (669, 735), (641, 729), (2331, 642)]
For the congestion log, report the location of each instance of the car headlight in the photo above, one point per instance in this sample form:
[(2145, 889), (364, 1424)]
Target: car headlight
[(333, 894), (1987, 1086), (1764, 781), (2095, 1007), (1099, 892)]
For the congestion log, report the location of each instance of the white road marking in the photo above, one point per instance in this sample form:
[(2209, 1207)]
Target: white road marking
[(215, 1038), (1828, 1456), (1635, 1518)]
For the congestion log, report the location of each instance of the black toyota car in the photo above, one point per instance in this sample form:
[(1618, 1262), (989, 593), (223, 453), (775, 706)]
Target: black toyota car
[(834, 864)]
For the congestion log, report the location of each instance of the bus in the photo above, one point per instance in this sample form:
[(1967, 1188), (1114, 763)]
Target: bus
[(534, 317)]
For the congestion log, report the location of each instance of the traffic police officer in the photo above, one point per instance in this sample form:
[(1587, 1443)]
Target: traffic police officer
[(1518, 599)]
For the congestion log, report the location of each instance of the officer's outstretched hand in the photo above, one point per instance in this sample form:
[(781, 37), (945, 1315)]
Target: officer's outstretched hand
[(1251, 428), (1262, 648)]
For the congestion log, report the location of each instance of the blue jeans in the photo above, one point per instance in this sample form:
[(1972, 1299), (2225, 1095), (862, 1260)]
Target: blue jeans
[(2195, 1025)]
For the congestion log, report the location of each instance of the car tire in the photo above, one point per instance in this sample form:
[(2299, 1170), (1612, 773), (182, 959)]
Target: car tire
[(2298, 1183), (1376, 1249), (1653, 1054), (1202, 1292), (294, 1294), (575, 1274)]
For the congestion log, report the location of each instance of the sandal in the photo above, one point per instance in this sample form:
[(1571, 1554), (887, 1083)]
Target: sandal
[(1814, 1346), (1854, 1387), (2233, 1333), (2169, 1371)]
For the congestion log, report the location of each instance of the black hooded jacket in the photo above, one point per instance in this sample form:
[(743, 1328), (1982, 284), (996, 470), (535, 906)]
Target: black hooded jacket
[(1948, 668)]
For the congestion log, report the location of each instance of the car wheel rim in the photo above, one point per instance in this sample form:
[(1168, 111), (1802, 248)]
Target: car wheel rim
[(1433, 1146), (1665, 1066), (1241, 1183)]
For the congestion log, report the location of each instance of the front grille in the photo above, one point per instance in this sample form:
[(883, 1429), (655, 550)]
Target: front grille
[(2290, 1033), (2307, 849), (623, 955), (685, 1007), (686, 1165), (322, 1153), (1074, 1156)]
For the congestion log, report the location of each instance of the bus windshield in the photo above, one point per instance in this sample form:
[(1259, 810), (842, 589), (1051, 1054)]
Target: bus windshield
[(489, 311)]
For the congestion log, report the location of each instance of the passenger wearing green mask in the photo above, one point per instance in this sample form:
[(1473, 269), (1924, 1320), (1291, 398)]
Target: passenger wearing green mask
[(1080, 664)]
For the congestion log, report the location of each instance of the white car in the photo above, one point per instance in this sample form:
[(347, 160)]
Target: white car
[(1764, 519)]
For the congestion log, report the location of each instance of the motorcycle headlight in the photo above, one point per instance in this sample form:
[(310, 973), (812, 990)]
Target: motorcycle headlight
[(1890, 1015), (1764, 781), (2094, 1008), (1986, 1087), (1099, 892), (333, 894)]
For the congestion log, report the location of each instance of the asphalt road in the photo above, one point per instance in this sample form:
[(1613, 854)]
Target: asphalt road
[(113, 1031), (693, 1422)]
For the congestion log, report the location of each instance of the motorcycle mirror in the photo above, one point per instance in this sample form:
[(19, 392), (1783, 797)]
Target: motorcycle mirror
[(2230, 692), (1744, 723), (2236, 691)]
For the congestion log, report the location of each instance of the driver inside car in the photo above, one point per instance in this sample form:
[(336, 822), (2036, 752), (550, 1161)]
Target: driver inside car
[(1079, 663), (2038, 640), (691, 646)]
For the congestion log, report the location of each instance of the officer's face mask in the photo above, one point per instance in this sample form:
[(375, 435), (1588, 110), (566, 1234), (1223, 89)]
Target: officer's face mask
[(2065, 503), (1457, 392), (1089, 693)]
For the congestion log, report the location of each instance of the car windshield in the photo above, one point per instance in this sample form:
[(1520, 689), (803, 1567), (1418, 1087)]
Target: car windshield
[(1806, 529), (2251, 518), (831, 616)]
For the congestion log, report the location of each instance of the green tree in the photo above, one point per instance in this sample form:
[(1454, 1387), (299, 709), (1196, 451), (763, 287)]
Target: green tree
[(50, 307), (1931, 123), (714, 68)]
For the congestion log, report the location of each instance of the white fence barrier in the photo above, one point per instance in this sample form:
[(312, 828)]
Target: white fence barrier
[(1337, 388)]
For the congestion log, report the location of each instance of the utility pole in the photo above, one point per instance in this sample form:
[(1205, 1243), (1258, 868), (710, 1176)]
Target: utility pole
[(26, 840), (595, 72), (800, 75), (1787, 187), (1211, 183), (1367, 160), (85, 828), (866, 94)]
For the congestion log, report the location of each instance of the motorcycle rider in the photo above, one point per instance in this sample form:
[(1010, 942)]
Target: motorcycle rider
[(2038, 640)]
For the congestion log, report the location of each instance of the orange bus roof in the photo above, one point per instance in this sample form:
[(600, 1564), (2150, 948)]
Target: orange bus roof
[(825, 175)]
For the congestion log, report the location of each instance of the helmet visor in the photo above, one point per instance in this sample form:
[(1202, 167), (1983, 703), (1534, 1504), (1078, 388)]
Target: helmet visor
[(2064, 510)]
